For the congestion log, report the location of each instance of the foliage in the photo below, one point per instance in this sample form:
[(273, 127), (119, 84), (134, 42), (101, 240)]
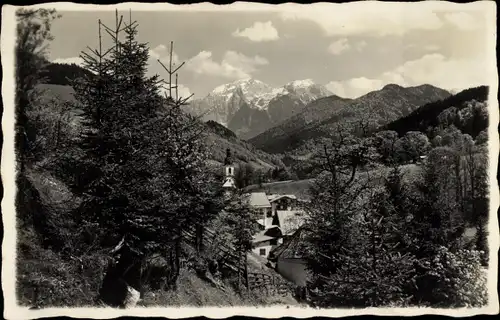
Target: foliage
[(63, 74), (385, 142), (472, 120), (451, 280), (144, 158), (33, 35), (411, 146), (238, 219), (332, 213)]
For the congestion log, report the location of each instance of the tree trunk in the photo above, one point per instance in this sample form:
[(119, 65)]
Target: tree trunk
[(239, 268), (177, 268), (246, 271)]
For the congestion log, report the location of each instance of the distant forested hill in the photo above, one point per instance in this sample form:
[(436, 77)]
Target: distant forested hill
[(466, 110), (62, 74), (378, 108)]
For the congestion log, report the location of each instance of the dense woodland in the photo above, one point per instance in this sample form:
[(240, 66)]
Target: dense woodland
[(137, 170)]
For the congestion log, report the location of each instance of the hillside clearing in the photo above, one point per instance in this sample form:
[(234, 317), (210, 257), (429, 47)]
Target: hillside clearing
[(300, 188)]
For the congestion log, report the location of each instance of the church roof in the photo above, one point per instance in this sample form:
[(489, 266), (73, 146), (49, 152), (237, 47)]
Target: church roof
[(229, 184), (229, 158)]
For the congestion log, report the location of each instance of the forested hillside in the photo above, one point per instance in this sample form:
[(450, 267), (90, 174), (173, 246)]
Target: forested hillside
[(466, 110), (375, 109)]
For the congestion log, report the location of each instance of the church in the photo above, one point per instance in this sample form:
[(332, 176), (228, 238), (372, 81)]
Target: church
[(278, 215)]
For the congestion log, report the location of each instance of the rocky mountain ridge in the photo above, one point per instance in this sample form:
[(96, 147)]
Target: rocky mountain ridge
[(250, 106)]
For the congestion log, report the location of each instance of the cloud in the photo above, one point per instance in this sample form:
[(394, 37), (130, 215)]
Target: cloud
[(462, 20), (162, 53), (432, 47), (353, 88), (368, 19), (258, 32), (234, 65), (76, 60), (361, 45), (434, 69), (339, 46)]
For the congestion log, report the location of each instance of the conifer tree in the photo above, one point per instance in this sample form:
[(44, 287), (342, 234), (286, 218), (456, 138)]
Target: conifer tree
[(332, 213), (238, 218)]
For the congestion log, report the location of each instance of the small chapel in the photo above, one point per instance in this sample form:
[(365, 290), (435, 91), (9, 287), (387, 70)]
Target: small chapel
[(229, 181)]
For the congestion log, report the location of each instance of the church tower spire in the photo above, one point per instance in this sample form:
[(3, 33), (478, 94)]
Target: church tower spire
[(229, 182)]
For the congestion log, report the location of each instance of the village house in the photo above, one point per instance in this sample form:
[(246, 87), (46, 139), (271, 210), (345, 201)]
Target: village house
[(287, 259), (278, 216), (282, 202), (260, 202)]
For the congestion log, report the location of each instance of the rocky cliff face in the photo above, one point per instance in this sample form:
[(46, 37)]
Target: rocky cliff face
[(249, 106)]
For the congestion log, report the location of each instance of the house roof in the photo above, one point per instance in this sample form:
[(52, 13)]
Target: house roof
[(275, 197), (292, 248), (268, 234), (259, 199), (290, 220), (261, 238)]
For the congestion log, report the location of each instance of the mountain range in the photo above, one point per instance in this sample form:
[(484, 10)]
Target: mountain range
[(282, 120), (318, 117), (249, 107)]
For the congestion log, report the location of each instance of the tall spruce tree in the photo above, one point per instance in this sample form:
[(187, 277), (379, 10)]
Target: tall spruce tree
[(332, 215), (142, 176)]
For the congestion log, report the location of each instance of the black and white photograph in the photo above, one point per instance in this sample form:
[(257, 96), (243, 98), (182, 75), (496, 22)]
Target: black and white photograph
[(289, 160)]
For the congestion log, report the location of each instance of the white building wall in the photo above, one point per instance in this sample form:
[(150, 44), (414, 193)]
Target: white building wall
[(266, 248)]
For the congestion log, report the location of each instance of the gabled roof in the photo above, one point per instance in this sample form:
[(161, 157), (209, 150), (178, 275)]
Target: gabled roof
[(259, 199), (275, 197), (261, 238), (290, 220), (229, 183), (267, 234), (292, 248)]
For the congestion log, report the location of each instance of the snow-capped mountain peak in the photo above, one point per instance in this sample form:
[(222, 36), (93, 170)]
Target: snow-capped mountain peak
[(248, 86), (249, 106), (300, 83)]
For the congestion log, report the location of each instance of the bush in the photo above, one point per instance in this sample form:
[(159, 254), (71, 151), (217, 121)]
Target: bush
[(452, 280)]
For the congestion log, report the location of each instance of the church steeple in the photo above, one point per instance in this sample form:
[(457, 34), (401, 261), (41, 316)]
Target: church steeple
[(229, 182)]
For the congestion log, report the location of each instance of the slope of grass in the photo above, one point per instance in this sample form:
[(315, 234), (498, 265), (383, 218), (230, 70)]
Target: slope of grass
[(300, 188), (45, 279), (195, 292)]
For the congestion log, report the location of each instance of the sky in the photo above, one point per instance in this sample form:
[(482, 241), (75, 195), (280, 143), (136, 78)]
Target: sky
[(350, 49)]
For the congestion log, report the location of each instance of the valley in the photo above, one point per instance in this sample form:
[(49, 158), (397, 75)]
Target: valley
[(255, 195)]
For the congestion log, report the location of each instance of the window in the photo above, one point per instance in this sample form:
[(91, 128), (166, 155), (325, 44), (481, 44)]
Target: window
[(269, 213), (262, 252)]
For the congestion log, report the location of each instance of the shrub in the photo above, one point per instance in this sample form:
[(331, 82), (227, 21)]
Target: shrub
[(452, 280)]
